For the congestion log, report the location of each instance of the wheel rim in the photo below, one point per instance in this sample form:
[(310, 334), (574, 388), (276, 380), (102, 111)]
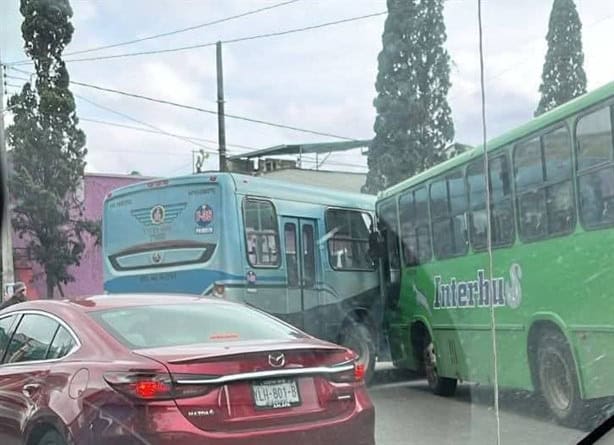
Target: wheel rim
[(430, 364), (556, 380)]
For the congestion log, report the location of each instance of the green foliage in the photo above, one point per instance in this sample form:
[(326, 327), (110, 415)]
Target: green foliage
[(413, 123), (563, 76), (48, 147)]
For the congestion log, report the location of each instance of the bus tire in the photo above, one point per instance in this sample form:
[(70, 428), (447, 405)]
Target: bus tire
[(441, 386), (558, 380), (359, 338)]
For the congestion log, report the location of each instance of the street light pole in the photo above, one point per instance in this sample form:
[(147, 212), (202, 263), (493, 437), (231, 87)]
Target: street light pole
[(8, 273), (221, 127)]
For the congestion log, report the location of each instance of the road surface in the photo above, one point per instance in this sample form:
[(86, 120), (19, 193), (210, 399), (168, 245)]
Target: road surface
[(407, 413)]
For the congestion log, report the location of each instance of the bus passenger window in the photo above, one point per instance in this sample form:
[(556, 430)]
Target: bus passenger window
[(448, 206), (597, 197), (261, 233), (596, 185), (291, 255), (501, 206), (408, 229), (542, 169), (423, 233), (391, 233), (348, 245), (309, 258), (594, 138)]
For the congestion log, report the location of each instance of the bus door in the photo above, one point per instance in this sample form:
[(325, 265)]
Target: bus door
[(301, 272)]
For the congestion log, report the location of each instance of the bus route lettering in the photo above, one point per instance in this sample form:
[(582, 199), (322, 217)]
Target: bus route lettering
[(479, 292)]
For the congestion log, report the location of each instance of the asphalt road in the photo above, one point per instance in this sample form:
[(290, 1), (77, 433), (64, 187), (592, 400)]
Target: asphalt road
[(407, 413)]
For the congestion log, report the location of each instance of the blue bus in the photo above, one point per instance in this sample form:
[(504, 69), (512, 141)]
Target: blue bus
[(297, 252)]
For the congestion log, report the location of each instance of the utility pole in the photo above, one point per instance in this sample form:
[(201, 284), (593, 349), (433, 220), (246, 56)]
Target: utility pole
[(8, 274), (221, 128)]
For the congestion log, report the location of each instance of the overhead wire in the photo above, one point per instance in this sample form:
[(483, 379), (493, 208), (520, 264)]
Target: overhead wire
[(190, 139), (147, 130), (208, 44), (182, 30), (214, 112), (138, 121), (306, 158)]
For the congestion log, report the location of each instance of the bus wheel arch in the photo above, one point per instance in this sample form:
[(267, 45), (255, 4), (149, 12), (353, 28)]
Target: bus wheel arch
[(425, 351), (358, 332), (554, 371), (418, 333)]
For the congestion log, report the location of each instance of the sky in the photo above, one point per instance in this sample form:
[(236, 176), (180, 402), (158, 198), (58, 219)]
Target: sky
[(321, 79)]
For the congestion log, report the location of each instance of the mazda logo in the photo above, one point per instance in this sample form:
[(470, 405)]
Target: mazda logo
[(277, 359)]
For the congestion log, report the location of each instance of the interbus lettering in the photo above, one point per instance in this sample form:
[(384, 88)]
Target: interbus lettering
[(478, 293)]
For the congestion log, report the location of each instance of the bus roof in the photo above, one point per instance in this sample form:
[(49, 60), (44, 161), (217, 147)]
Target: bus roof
[(262, 187), (557, 114)]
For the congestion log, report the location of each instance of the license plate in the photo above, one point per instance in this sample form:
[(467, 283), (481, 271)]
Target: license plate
[(271, 394)]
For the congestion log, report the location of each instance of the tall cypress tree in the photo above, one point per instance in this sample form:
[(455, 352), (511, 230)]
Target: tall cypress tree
[(563, 76), (48, 147), (413, 123)]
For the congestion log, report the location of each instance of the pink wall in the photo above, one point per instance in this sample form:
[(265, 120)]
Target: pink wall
[(88, 275)]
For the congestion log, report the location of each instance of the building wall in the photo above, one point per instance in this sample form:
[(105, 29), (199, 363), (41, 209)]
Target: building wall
[(88, 275)]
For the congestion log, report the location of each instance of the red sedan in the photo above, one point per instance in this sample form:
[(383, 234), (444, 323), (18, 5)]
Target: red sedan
[(145, 369)]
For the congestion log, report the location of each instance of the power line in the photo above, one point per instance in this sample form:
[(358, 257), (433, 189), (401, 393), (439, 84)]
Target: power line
[(147, 130), (306, 158), (204, 45), (182, 30), (204, 110), (189, 139), (125, 116), (10, 67)]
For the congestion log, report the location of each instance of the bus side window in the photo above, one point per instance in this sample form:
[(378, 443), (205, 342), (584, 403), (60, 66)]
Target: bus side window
[(542, 168), (595, 183), (348, 245), (391, 233), (291, 254), (261, 233), (501, 206), (448, 207)]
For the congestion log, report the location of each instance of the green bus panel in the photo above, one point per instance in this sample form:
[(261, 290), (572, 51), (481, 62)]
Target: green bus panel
[(564, 282)]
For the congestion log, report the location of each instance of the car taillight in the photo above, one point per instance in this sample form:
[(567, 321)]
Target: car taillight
[(354, 375), (359, 372), (152, 386)]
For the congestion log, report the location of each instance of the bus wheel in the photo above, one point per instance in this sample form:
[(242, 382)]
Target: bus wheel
[(442, 386), (358, 337), (558, 381)]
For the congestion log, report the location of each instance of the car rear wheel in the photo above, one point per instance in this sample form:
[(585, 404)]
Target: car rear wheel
[(358, 337), (558, 380), (442, 386), (51, 437)]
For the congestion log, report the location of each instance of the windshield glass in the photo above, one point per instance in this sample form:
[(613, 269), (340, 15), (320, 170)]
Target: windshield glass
[(429, 183)]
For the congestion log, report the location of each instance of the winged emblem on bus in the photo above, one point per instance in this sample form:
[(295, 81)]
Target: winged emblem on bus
[(158, 214)]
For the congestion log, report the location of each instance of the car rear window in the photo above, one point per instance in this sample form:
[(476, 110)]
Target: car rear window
[(185, 324)]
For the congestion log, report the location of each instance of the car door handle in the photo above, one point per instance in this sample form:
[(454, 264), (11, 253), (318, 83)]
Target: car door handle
[(30, 389)]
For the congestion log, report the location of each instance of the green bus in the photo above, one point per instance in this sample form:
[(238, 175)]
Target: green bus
[(551, 185)]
